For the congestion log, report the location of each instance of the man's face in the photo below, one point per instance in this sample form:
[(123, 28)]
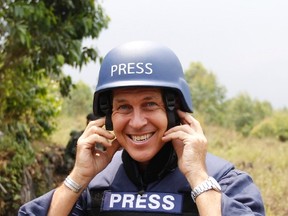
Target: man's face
[(139, 121)]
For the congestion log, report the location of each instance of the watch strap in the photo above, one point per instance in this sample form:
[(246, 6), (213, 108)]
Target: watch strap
[(209, 184)]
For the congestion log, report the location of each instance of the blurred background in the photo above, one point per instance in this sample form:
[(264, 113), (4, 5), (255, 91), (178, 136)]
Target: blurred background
[(234, 54), (243, 42)]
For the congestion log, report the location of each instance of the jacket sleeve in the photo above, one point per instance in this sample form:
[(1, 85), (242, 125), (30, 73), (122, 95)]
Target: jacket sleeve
[(41, 205), (240, 196), (38, 206)]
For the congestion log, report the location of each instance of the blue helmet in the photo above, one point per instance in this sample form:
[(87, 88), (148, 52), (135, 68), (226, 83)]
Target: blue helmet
[(141, 64)]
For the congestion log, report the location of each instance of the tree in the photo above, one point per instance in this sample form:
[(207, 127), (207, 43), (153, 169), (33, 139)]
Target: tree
[(80, 101), (207, 94), (243, 113), (37, 37), (275, 126)]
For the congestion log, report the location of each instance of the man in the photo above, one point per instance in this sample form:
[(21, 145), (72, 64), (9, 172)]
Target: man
[(164, 167)]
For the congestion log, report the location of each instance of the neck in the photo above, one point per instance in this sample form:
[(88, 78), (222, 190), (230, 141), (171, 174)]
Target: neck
[(143, 166), (144, 173)]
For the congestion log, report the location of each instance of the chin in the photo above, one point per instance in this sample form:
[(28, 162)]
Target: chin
[(143, 157)]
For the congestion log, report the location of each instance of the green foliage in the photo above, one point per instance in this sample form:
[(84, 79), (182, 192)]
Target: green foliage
[(274, 126), (243, 113), (36, 39), (73, 113), (240, 113), (207, 94), (28, 114), (15, 156), (79, 102)]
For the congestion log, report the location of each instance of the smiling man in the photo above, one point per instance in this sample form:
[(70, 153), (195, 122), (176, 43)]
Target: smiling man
[(140, 121), (155, 160)]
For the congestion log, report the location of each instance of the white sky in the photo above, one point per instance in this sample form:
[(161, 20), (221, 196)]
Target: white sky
[(243, 42)]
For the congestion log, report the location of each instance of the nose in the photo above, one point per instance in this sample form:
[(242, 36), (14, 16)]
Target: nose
[(138, 119)]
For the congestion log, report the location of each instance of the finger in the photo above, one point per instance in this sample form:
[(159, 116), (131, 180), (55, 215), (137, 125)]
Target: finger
[(187, 118), (102, 132), (183, 116), (113, 148), (184, 136), (94, 124), (185, 128), (94, 139), (178, 149), (98, 122), (96, 130), (174, 134)]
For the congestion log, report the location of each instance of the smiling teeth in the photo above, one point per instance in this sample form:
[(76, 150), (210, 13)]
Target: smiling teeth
[(141, 138)]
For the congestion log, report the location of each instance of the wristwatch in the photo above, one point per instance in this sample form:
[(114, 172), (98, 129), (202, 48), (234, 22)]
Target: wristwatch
[(209, 184)]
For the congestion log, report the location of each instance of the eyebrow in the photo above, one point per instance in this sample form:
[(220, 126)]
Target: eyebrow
[(148, 98), (119, 100)]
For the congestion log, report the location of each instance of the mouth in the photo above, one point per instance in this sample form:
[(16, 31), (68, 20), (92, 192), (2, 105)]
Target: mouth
[(141, 138)]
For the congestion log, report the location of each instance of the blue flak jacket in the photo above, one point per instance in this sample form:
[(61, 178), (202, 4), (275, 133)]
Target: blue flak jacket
[(120, 190)]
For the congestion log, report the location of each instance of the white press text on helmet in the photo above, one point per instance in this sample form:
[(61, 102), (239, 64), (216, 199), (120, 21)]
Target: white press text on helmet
[(131, 68)]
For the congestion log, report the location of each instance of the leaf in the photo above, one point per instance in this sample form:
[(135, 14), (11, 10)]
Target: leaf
[(60, 59)]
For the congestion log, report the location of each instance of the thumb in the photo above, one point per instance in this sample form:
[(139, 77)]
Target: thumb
[(113, 148), (178, 148)]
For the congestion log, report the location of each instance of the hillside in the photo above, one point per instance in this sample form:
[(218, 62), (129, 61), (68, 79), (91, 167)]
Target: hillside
[(264, 159)]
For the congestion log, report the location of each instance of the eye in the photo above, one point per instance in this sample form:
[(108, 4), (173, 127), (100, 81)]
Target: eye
[(124, 108), (150, 105)]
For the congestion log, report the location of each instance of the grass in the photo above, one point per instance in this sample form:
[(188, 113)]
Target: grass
[(264, 159)]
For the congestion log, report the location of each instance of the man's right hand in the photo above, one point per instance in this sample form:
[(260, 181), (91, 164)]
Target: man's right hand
[(90, 160)]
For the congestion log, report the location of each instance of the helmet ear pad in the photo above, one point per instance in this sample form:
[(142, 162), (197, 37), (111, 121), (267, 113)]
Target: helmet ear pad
[(171, 101), (105, 108)]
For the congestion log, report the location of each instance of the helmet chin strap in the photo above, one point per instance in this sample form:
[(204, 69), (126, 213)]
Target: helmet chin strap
[(108, 122), (106, 108), (170, 102)]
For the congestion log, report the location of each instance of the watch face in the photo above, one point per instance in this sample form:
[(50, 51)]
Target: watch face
[(215, 184)]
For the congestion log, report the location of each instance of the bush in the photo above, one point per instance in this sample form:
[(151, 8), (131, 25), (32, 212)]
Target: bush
[(207, 94), (243, 113), (15, 157), (275, 126)]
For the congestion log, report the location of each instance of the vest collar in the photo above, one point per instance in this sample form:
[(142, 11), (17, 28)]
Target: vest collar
[(161, 164)]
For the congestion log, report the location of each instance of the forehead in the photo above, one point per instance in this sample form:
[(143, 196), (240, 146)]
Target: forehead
[(136, 91)]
